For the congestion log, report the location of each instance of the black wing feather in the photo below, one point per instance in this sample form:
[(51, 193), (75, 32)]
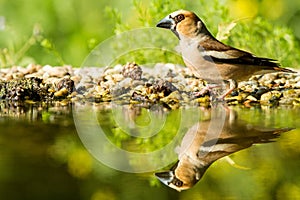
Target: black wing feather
[(245, 60)]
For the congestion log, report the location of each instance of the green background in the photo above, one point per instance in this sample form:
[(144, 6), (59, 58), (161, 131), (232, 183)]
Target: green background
[(64, 32)]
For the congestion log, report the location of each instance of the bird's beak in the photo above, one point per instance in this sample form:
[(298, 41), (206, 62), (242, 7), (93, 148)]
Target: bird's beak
[(166, 23), (165, 177)]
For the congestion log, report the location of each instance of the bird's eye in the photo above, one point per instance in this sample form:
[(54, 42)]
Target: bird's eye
[(179, 18), (177, 182)]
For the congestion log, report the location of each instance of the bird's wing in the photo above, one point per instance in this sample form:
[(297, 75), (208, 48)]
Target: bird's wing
[(215, 149), (215, 51)]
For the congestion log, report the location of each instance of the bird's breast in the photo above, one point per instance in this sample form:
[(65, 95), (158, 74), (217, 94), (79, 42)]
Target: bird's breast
[(194, 59)]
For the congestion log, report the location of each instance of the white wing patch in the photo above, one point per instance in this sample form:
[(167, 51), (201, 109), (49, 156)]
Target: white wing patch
[(217, 54)]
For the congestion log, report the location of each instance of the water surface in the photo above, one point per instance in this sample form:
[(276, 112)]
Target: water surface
[(42, 155)]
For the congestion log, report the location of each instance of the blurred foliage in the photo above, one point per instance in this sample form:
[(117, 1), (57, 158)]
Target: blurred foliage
[(69, 30), (153, 129), (271, 41)]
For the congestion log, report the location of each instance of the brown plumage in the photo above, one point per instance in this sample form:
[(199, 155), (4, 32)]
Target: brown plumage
[(208, 141), (210, 59)]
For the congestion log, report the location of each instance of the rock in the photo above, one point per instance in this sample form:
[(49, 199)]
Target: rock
[(23, 89), (173, 97), (296, 102), (133, 71), (297, 85), (270, 97), (170, 84), (117, 77), (61, 93), (66, 83), (251, 98), (164, 87)]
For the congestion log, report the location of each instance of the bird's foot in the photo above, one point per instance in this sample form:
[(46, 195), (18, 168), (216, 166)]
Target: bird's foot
[(232, 86), (222, 97), (205, 90), (214, 96)]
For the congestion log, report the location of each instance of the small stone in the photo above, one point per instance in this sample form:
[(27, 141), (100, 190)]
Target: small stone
[(204, 99), (270, 97), (259, 91), (251, 98), (109, 71), (164, 87), (238, 98), (76, 79), (67, 83), (154, 97), (286, 101), (61, 93), (51, 90), (64, 102), (297, 85), (133, 71), (296, 102), (136, 83), (127, 82), (174, 97), (291, 93), (117, 77)]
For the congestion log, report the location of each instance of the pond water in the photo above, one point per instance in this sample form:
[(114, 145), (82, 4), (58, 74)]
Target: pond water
[(105, 151)]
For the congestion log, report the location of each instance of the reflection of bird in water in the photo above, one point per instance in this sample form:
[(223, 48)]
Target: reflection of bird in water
[(207, 142)]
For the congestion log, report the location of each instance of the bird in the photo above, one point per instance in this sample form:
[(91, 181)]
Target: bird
[(210, 59), (207, 141)]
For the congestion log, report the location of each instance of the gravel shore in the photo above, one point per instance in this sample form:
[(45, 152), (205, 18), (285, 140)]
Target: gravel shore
[(167, 84)]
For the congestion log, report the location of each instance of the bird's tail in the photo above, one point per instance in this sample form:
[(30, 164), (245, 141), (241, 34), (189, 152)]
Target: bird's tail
[(281, 69)]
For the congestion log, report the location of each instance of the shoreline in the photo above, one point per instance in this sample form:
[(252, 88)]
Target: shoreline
[(168, 84)]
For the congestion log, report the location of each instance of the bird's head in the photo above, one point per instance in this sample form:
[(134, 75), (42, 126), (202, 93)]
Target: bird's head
[(182, 176), (183, 23)]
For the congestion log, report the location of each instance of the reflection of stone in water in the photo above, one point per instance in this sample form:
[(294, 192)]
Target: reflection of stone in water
[(138, 121), (36, 111), (208, 146)]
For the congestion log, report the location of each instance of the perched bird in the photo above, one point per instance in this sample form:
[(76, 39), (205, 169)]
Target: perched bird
[(210, 59), (208, 141)]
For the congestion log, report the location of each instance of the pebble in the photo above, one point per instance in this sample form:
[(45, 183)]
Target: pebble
[(61, 93), (297, 85), (133, 71), (270, 97), (170, 84)]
